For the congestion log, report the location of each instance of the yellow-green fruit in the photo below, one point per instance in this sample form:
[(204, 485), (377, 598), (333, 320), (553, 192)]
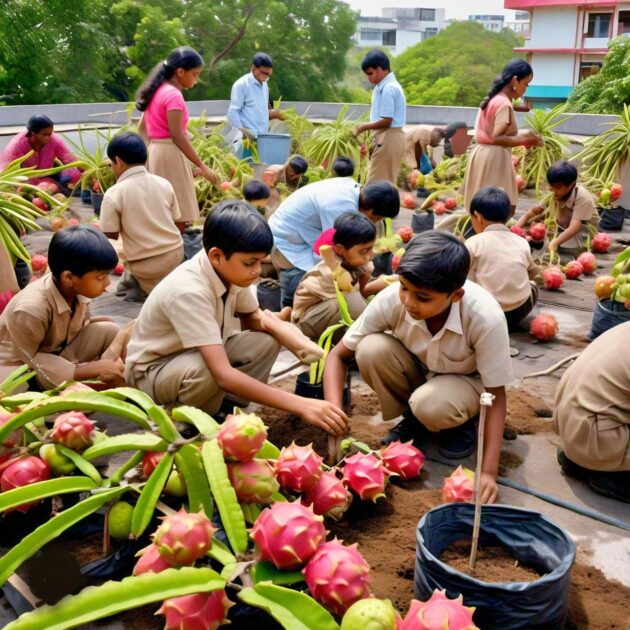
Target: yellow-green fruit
[(59, 464), (370, 614), (119, 520), (622, 279), (617, 269), (175, 485)]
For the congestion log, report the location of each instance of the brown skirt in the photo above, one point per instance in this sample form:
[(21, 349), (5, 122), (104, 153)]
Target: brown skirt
[(8, 281), (167, 161)]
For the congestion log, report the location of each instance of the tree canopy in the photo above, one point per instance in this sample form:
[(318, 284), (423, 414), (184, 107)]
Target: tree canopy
[(607, 91), (456, 66)]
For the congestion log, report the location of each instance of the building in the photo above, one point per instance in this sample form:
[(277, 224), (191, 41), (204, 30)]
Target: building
[(520, 23), (492, 23), (398, 28), (567, 42)]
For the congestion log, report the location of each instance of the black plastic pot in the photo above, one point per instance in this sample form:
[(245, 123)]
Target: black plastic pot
[(307, 390), (422, 221), (269, 297), (530, 537), (97, 200), (382, 264), (86, 196), (611, 219), (422, 193), (607, 314)]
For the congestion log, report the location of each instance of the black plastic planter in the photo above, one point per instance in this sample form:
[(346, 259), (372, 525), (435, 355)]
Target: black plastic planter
[(97, 200), (382, 264), (307, 390), (611, 219), (530, 537), (86, 196), (422, 221), (269, 297), (607, 315)]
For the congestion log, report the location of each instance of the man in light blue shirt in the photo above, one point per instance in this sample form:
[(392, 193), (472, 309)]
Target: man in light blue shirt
[(387, 118), (249, 101), (309, 211)]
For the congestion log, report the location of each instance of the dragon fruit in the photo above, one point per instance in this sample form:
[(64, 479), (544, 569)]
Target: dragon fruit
[(601, 242), (553, 278), (150, 461), (329, 496), (200, 611), (365, 475), (39, 263), (588, 262), (520, 183), (450, 203), (14, 437), (538, 231), (439, 207), (337, 576), (518, 230), (73, 430), (544, 327), (151, 561), (405, 233), (371, 614), (408, 201), (298, 467), (254, 481), (75, 387), (459, 486), (287, 534), (402, 459), (604, 286), (573, 270), (616, 192), (439, 612), (23, 472), (241, 436), (183, 537)]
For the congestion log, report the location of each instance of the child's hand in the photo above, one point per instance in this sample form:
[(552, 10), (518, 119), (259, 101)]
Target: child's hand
[(488, 488), (553, 246), (112, 372), (325, 415)]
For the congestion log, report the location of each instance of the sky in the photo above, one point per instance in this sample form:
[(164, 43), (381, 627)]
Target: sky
[(459, 9)]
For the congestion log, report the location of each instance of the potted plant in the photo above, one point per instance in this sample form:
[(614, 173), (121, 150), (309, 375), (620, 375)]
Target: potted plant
[(607, 196)]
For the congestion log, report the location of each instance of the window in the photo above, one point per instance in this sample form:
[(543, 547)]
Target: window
[(599, 24), (427, 15), (589, 68), (429, 32), (371, 34), (624, 23), (389, 38)]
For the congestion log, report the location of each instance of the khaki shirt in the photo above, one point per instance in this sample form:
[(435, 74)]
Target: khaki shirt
[(143, 208), (473, 340), (37, 325), (318, 285), (189, 308), (419, 134), (580, 205), (502, 263)]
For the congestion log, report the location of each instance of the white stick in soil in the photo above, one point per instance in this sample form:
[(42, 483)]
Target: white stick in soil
[(484, 402)]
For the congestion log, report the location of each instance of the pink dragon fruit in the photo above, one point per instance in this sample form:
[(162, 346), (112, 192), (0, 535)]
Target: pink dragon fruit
[(23, 472), (15, 437), (365, 475), (573, 270), (553, 278), (298, 468), (73, 430), (253, 481), (183, 537), (75, 387), (371, 614), (287, 534), (459, 486), (337, 576), (439, 612), (544, 327), (601, 242), (200, 611), (150, 561), (588, 262), (149, 462), (402, 459), (538, 231), (329, 496), (518, 230), (241, 436)]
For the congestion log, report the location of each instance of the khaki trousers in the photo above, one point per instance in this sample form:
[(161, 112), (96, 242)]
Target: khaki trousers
[(316, 319), (184, 379), (387, 154), (149, 271), (399, 379)]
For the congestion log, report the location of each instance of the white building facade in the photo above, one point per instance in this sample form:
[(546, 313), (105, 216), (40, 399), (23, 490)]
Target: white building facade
[(493, 23)]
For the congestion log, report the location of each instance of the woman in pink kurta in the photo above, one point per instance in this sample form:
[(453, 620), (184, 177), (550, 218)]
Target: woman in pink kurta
[(47, 147), (496, 132)]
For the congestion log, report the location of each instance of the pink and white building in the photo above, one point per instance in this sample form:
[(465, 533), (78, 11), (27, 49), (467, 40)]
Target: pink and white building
[(567, 42)]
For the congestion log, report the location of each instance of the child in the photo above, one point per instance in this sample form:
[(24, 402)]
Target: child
[(387, 118), (48, 324), (315, 306), (142, 209), (500, 261), (257, 194), (187, 347), (592, 415), (576, 209), (290, 173), (429, 346), (343, 167)]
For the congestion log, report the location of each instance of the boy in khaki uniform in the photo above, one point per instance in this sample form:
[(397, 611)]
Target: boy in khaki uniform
[(48, 324), (188, 346), (420, 140), (592, 415), (500, 261), (142, 209), (429, 346)]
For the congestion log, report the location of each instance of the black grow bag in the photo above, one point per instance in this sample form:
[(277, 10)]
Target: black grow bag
[(529, 536), (422, 221), (607, 315), (611, 219), (382, 264), (304, 388)]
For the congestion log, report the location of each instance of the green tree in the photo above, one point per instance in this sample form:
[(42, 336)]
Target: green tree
[(456, 66), (607, 91)]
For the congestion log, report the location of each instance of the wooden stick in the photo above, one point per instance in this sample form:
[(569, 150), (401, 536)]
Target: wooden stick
[(485, 402)]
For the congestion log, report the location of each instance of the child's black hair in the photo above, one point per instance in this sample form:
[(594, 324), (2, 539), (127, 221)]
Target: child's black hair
[(182, 57), (262, 60), (518, 68), (255, 190), (382, 197), (343, 166), (562, 172), (80, 249), (352, 228), (375, 59), (435, 260), (38, 123), (298, 164), (129, 147), (492, 203), (235, 226)]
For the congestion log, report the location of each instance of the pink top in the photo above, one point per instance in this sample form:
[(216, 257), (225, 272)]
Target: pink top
[(166, 98), (499, 110), (55, 149)]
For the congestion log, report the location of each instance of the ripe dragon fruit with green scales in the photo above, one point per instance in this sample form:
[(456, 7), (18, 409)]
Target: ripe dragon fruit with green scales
[(459, 486), (253, 481), (73, 430), (329, 497), (241, 436), (184, 537), (150, 561), (287, 534), (403, 459), (298, 468), (439, 613), (365, 475), (200, 611)]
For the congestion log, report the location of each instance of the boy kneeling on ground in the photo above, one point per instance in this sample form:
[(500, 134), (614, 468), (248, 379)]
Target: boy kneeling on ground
[(448, 343), (187, 347)]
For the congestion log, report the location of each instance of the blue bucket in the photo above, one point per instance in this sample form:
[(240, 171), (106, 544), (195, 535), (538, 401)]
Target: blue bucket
[(273, 148)]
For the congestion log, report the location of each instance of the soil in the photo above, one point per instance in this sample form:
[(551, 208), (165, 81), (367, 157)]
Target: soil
[(527, 413)]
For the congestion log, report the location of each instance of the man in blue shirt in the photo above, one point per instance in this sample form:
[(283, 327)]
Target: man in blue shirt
[(309, 211), (249, 101), (387, 118)]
